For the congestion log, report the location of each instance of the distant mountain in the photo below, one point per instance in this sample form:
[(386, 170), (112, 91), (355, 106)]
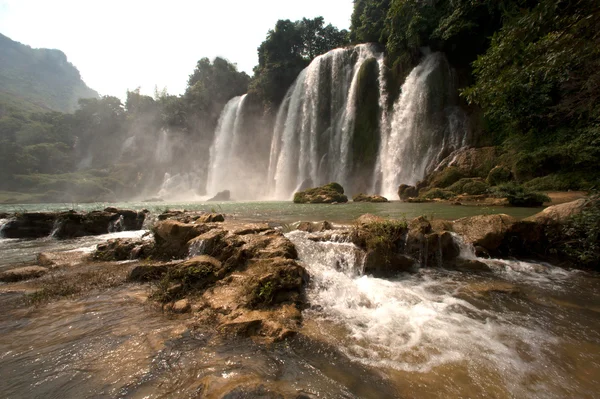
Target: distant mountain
[(37, 79)]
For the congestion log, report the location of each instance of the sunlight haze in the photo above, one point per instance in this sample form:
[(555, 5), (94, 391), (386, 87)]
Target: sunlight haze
[(120, 45)]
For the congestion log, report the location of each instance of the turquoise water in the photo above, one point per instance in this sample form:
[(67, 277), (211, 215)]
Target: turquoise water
[(288, 212)]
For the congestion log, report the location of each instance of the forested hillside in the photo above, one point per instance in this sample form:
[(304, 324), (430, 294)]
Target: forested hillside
[(37, 79)]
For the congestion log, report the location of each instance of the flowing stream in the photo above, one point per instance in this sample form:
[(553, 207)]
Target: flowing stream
[(523, 330)]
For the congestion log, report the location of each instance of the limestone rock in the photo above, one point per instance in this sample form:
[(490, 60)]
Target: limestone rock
[(487, 231), (559, 213), (22, 273), (172, 237), (210, 218)]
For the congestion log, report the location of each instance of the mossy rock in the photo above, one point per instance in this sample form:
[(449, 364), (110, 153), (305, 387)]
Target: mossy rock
[(437, 193), (327, 194), (519, 196), (369, 198), (474, 186), (446, 177)]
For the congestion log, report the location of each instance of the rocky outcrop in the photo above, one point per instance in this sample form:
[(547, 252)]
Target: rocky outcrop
[(171, 237), (244, 279), (22, 273), (405, 192), (222, 196), (559, 213), (72, 224), (29, 225), (124, 249), (327, 194), (369, 198)]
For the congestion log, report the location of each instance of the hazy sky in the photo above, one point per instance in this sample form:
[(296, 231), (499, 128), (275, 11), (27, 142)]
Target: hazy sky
[(120, 45)]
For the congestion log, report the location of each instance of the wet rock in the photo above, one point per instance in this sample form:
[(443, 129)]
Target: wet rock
[(327, 194), (61, 259), (211, 218), (22, 273), (315, 227), (385, 266), (222, 196), (487, 231), (170, 215), (172, 237), (254, 228), (369, 198), (470, 265), (490, 287), (181, 306), (405, 192), (149, 272), (29, 225), (209, 243), (123, 249), (471, 161)]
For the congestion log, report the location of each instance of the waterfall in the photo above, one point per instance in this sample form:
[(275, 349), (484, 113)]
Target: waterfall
[(426, 125), (225, 165), (312, 139)]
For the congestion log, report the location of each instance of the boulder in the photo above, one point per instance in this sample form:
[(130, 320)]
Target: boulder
[(369, 198), (149, 272), (487, 231), (73, 224), (222, 196), (172, 237), (29, 225), (405, 192), (327, 194), (469, 265), (210, 218), (471, 161), (368, 218), (310, 227), (559, 213), (381, 265), (123, 249), (22, 273)]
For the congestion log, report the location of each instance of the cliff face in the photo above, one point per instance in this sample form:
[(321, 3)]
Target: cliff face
[(40, 78)]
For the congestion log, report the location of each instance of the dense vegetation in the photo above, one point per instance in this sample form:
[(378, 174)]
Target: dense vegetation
[(529, 72)]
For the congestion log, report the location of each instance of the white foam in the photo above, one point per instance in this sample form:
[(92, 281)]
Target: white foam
[(413, 323)]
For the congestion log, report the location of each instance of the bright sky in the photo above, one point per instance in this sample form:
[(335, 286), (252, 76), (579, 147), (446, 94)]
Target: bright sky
[(122, 44)]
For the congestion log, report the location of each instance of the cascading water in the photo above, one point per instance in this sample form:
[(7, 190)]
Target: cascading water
[(312, 139), (426, 125), (225, 152)]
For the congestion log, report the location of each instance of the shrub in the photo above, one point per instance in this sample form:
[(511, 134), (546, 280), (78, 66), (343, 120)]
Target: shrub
[(469, 186), (437, 193), (499, 175), (519, 196)]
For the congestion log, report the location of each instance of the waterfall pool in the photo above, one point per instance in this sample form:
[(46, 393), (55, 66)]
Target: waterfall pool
[(288, 212)]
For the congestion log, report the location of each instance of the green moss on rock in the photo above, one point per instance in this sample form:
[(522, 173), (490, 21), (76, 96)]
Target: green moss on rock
[(329, 193)]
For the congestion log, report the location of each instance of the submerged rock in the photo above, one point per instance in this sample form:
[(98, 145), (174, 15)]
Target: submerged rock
[(222, 196), (369, 198), (311, 227), (327, 194), (22, 273)]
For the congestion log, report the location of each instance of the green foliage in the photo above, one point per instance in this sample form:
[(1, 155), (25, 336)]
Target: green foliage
[(578, 239), (287, 50), (437, 193), (519, 196), (469, 186), (446, 177), (265, 292), (499, 175)]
